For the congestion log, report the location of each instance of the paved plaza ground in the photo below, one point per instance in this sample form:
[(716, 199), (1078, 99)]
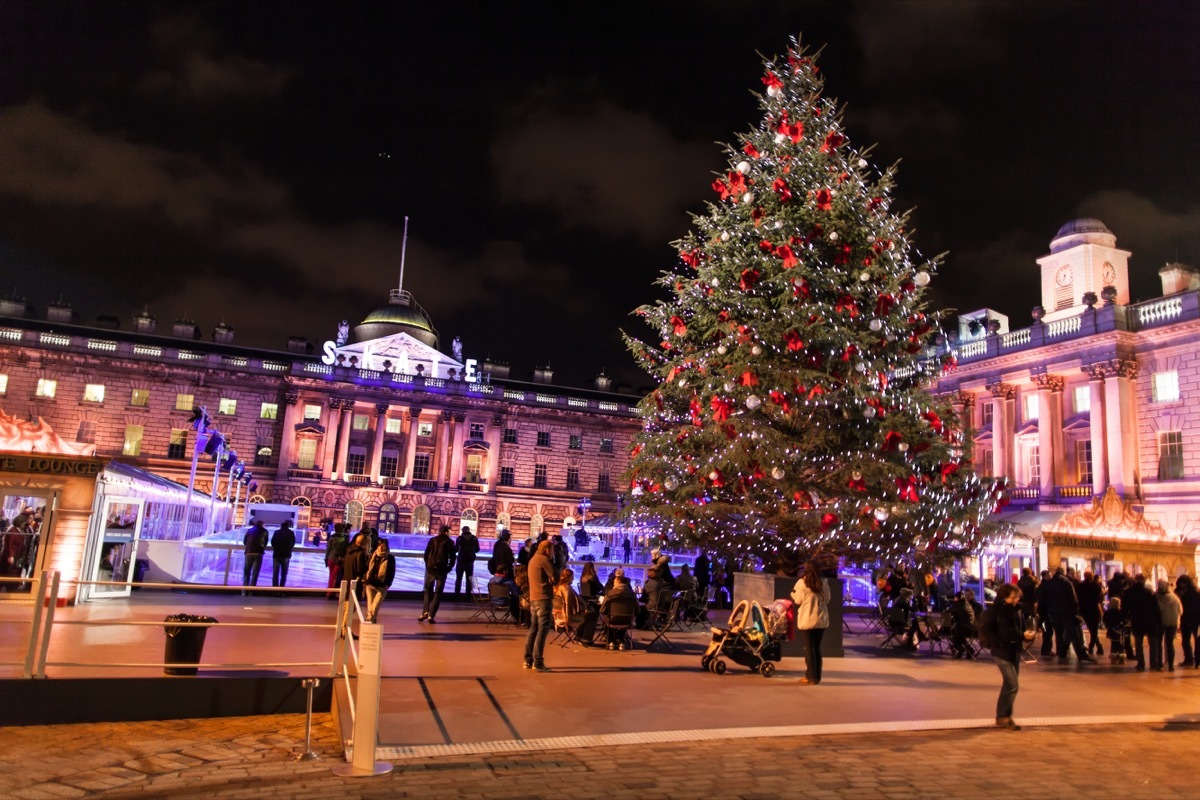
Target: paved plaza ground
[(461, 718)]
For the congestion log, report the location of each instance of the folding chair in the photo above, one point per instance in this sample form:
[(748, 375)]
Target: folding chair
[(661, 619), (616, 619), (895, 627), (483, 608), (500, 600)]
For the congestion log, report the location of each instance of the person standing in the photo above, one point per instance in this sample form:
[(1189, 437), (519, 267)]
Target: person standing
[(381, 571), (541, 605), (1189, 622), (356, 563), (335, 555), (283, 542), (467, 548), (702, 572), (254, 544), (1003, 632), (1170, 609), (439, 560), (626, 549), (1141, 609), (811, 596), (1091, 607)]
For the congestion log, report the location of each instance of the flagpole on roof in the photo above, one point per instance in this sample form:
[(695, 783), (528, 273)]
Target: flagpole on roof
[(403, 251)]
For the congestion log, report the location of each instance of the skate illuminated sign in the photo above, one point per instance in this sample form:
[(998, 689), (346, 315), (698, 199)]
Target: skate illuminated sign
[(371, 360)]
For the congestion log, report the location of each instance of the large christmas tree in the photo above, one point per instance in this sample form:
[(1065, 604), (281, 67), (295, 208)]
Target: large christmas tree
[(791, 414)]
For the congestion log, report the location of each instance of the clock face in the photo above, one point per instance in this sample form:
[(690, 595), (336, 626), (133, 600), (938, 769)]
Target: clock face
[(1063, 276), (1109, 274)]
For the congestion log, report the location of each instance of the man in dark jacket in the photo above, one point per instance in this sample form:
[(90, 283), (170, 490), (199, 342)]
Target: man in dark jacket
[(1043, 613), (1063, 605), (254, 544), (439, 560), (1003, 632), (356, 561), (1028, 585), (541, 603), (1091, 607), (467, 547), (283, 542), (1144, 617)]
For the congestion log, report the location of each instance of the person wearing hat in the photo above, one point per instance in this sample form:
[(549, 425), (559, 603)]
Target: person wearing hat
[(283, 541)]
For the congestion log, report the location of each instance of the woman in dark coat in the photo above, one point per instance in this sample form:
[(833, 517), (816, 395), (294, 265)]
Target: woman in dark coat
[(357, 560)]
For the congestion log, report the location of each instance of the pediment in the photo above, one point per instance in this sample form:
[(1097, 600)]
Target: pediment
[(1109, 516), (405, 354)]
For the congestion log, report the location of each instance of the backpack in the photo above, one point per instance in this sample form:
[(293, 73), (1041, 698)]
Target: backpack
[(492, 565), (989, 629)]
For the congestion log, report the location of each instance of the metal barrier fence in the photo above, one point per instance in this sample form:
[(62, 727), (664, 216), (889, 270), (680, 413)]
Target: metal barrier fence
[(358, 653)]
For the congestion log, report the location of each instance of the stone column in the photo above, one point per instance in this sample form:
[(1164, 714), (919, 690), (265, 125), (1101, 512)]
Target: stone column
[(1050, 459), (343, 447), (411, 419), (439, 471), (1002, 428), (1121, 425), (1097, 427), (287, 440), (454, 468), (495, 435), (329, 441), (963, 404), (381, 418)]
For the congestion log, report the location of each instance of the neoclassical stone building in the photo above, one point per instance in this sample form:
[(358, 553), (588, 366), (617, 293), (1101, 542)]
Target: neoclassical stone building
[(380, 427), (1091, 411)]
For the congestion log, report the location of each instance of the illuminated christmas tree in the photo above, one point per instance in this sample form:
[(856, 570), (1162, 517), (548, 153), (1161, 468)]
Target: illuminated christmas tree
[(790, 414)]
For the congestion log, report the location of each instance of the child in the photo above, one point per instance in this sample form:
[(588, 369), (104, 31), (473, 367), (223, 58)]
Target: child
[(1115, 624)]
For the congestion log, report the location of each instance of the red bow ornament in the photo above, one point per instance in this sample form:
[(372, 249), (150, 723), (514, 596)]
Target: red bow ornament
[(780, 399), (696, 410), (907, 488), (824, 200), (794, 342), (749, 278), (679, 325), (833, 140), (721, 409), (800, 288), (781, 188), (789, 257), (748, 379), (750, 150), (847, 305), (691, 258), (891, 439), (828, 520)]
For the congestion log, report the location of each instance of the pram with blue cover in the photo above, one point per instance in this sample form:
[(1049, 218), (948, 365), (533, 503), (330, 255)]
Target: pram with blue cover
[(753, 639)]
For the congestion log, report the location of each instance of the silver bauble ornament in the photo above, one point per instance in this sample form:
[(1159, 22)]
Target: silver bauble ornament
[(752, 402), (743, 167), (902, 447), (748, 197), (876, 325), (712, 476), (670, 482), (881, 514), (833, 236), (725, 236), (869, 412), (777, 473), (722, 350), (866, 276), (756, 350), (921, 278), (728, 386)]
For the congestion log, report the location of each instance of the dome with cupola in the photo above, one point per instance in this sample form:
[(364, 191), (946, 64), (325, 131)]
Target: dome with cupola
[(1085, 230), (402, 314)]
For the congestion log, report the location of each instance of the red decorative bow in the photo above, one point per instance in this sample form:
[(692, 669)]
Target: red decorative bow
[(637, 448), (934, 420), (794, 131), (891, 439), (771, 80), (780, 399), (781, 188), (749, 278), (679, 325), (750, 150), (721, 409), (847, 304), (789, 257), (696, 410), (691, 257), (833, 140), (907, 488), (748, 379), (824, 200), (857, 484), (828, 520), (947, 470), (794, 342), (884, 305), (800, 288)]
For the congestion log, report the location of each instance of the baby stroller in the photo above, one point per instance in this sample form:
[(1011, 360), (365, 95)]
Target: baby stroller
[(753, 639), (1119, 642)]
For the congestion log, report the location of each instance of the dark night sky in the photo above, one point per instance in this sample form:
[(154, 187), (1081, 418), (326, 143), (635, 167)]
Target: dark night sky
[(223, 159)]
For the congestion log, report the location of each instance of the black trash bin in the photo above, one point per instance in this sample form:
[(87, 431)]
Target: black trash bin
[(184, 645)]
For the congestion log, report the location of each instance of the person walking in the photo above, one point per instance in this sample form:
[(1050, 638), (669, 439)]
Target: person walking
[(1141, 608), (381, 571), (254, 544), (467, 547), (541, 605), (356, 562), (439, 560), (1004, 633), (811, 596), (335, 556), (1170, 609), (283, 542), (1091, 607)]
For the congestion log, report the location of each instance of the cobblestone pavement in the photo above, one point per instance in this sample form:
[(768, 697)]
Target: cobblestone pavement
[(249, 757)]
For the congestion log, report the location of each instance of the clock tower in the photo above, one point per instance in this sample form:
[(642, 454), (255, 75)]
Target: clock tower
[(1083, 258)]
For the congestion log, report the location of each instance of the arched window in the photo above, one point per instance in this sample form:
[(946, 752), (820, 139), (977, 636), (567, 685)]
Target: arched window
[(354, 514), (256, 498), (470, 519), (503, 520), (568, 522), (420, 520), (388, 514), (301, 500), (536, 523)]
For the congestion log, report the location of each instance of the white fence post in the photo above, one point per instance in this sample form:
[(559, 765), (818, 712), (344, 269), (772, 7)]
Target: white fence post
[(366, 706)]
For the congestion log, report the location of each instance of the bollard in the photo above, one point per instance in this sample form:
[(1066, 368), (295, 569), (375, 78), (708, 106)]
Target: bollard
[(308, 754)]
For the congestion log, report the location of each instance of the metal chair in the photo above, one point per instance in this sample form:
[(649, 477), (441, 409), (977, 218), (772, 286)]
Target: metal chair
[(661, 619), (617, 618), (500, 602)]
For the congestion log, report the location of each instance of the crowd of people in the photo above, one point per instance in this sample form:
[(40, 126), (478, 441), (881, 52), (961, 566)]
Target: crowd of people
[(18, 547)]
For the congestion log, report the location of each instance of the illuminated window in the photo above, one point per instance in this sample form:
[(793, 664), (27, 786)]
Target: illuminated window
[(133, 440), (395, 425), (361, 422), (543, 439), (1170, 455), (356, 461), (510, 435), (3, 384), (184, 402), (46, 387), (536, 524), (306, 454), (1031, 406), (312, 411), (424, 429), (1165, 387), (476, 431), (503, 520), (572, 479), (177, 446), (989, 412), (539, 476), (1083, 460), (227, 406), (474, 468), (262, 457), (354, 514), (606, 445), (987, 463), (139, 397), (389, 464), (93, 393), (575, 442), (1034, 466), (1083, 399), (420, 519), (269, 411)]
